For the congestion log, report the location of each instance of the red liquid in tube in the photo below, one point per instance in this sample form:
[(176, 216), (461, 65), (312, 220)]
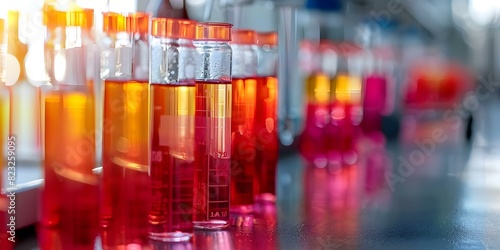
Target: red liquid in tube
[(172, 157), (244, 184), (213, 150), (266, 134), (266, 117)]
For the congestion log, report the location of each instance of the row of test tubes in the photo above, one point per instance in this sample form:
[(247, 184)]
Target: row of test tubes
[(348, 91), (185, 111)]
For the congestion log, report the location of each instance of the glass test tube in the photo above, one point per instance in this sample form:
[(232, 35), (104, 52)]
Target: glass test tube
[(172, 79), (266, 116), (244, 183), (69, 196), (329, 61), (346, 105), (376, 98), (318, 89), (213, 126), (126, 183)]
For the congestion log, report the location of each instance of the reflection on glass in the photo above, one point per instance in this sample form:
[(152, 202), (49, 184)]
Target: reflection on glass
[(243, 221), (266, 226), (110, 240), (49, 238), (220, 240), (377, 162), (157, 245)]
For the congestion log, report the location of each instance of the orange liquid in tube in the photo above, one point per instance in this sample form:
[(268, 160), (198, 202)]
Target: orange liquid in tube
[(126, 184), (69, 196)]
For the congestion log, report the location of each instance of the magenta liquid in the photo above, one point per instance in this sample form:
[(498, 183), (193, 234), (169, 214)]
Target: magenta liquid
[(374, 103)]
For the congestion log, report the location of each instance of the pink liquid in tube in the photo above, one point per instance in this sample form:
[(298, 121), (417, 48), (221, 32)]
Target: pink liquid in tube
[(375, 102), (313, 140), (343, 129)]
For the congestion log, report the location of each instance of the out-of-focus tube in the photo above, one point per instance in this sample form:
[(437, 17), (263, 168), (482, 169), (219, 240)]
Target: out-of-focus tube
[(288, 107), (244, 184), (266, 117), (69, 196), (126, 191)]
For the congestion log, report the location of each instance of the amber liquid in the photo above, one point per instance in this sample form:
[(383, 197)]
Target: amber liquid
[(266, 134), (212, 150), (313, 140), (244, 183), (69, 196), (126, 183), (172, 158)]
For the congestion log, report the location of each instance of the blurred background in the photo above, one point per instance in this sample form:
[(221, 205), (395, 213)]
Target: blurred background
[(421, 87)]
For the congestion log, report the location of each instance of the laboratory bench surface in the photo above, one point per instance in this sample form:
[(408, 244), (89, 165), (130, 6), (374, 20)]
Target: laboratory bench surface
[(406, 197)]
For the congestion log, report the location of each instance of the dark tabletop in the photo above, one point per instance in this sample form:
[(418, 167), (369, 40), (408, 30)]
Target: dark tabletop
[(450, 201), (404, 195)]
